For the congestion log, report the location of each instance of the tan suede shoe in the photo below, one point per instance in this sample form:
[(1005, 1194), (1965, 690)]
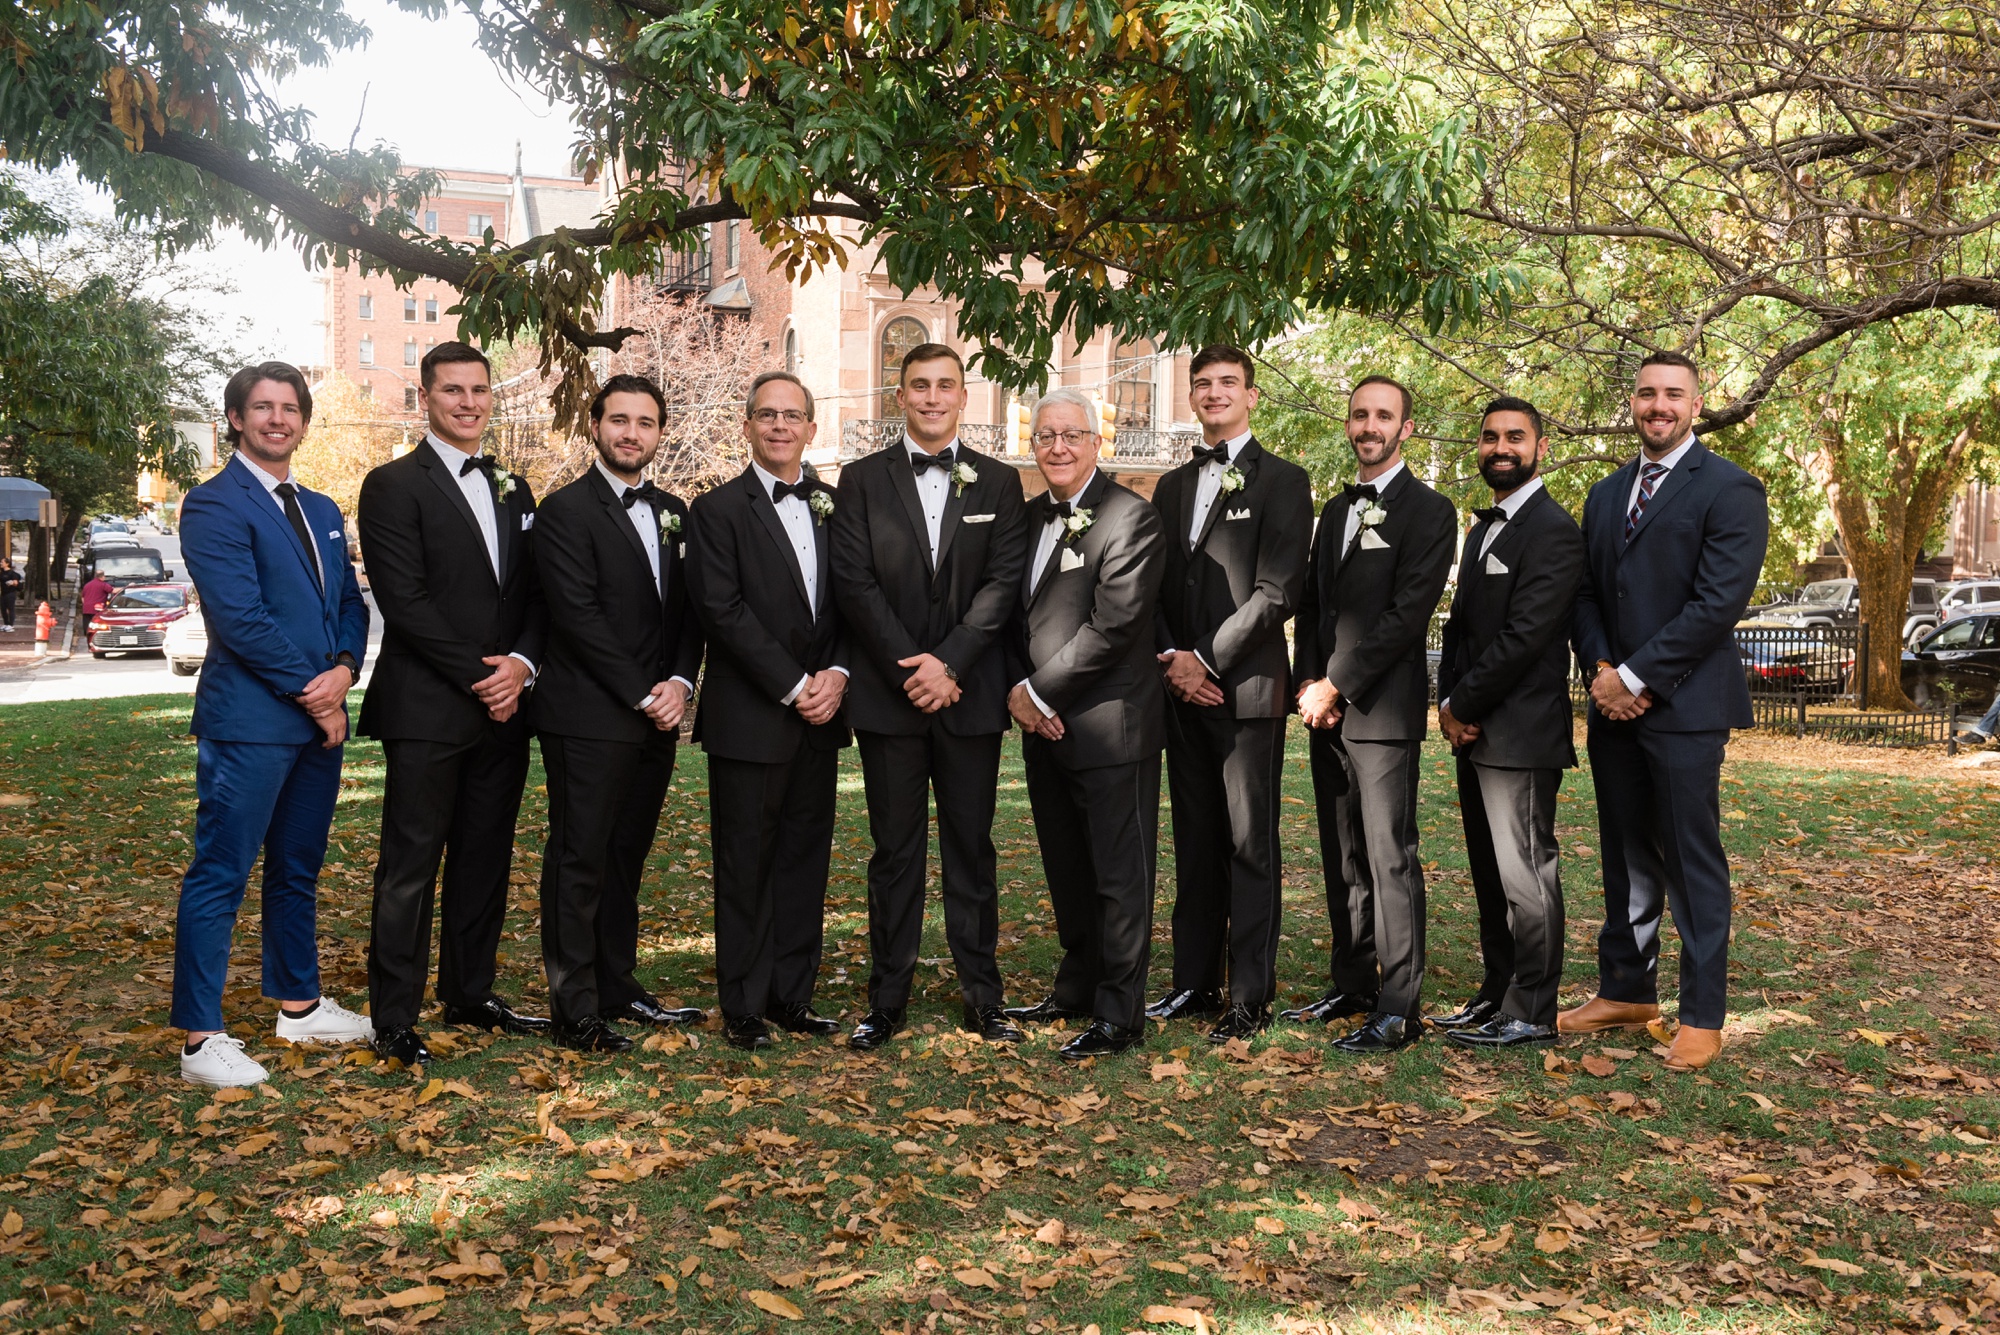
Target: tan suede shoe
[(1693, 1048), (1597, 1015)]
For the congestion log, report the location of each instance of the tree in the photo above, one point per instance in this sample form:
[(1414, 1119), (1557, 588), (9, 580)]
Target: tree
[(1173, 170), (345, 441)]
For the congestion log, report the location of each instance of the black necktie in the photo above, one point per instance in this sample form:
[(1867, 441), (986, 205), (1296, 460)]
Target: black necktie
[(1492, 514), (801, 489), (648, 493), (290, 495), (919, 461), (1218, 453), (1358, 492), (1048, 509), (483, 462)]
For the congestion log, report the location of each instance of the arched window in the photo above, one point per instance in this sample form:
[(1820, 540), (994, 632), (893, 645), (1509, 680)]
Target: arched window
[(792, 351), (899, 336), (1132, 385)]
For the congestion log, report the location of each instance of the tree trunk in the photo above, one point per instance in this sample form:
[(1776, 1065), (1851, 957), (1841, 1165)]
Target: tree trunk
[(64, 536), (37, 585)]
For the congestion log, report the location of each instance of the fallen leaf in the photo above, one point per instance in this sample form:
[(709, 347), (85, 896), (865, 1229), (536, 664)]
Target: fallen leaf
[(1832, 1263), (766, 1301), (1552, 1240), (1266, 1224), (1754, 1180), (975, 1278), (1178, 1316), (1169, 1070), (723, 1237), (1601, 1067), (846, 1281), (1052, 1233), (423, 1293)]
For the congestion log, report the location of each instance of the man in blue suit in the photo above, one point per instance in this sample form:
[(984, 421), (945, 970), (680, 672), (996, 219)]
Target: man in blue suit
[(286, 633), (1675, 541)]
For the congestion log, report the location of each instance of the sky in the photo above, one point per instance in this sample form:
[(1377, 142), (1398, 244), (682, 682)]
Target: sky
[(432, 95)]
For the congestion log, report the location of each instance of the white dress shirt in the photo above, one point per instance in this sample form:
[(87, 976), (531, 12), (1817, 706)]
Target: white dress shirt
[(1208, 482), (478, 493), (271, 485), (797, 517), (1381, 485), (1045, 547), (1668, 461), (933, 487), (646, 524), (1509, 508)]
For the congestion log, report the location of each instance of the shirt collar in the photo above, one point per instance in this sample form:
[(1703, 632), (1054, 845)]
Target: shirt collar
[(1512, 505), (1381, 483), (618, 485), (271, 484), (1080, 490), (770, 480), (453, 456), (1673, 456)]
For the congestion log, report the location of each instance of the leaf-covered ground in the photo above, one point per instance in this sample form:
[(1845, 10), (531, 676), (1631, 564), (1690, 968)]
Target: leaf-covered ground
[(1834, 1172)]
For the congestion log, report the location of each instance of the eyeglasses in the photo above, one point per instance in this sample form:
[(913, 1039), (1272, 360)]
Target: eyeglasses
[(1047, 439), (773, 416)]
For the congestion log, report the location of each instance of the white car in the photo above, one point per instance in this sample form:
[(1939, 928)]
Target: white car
[(187, 643)]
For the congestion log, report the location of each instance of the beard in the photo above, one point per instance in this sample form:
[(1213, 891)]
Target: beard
[(1371, 449), (1504, 472)]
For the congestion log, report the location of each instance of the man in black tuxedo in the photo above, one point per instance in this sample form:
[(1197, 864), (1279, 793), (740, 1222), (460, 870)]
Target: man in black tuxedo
[(1379, 561), (447, 536), (1239, 521), (1090, 704), (624, 649), (1503, 704), (929, 544), (1675, 542), (760, 573)]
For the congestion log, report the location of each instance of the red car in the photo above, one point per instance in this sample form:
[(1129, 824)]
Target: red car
[(137, 617)]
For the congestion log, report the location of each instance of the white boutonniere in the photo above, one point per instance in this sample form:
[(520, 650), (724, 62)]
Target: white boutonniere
[(1076, 523), (670, 523), (1232, 479), (503, 483), (1372, 514), (963, 475), (821, 504)]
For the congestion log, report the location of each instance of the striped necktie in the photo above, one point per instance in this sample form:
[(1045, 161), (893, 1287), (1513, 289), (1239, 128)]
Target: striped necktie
[(1649, 478)]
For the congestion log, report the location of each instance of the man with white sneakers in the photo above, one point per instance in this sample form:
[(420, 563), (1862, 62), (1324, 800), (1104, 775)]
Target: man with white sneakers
[(286, 633)]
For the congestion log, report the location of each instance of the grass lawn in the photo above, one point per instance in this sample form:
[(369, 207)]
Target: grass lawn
[(1836, 1171)]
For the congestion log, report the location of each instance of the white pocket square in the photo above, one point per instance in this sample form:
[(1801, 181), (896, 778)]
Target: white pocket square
[(980, 519), (681, 550), (1236, 514), (527, 522), (1372, 541), (334, 533), (1493, 566), (1072, 559)]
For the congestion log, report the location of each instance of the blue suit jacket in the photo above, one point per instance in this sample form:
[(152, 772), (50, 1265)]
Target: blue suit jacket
[(270, 630), (1666, 603)]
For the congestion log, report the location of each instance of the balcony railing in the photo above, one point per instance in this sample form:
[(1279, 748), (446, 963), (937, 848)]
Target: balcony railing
[(1148, 451), (870, 434), (682, 271)]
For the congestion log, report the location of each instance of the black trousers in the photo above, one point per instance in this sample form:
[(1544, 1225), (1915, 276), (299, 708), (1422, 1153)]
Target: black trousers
[(1366, 795), (1510, 841), (1099, 832), (901, 773), (6, 609), (1222, 777), (455, 804), (1659, 818), (772, 829), (604, 809)]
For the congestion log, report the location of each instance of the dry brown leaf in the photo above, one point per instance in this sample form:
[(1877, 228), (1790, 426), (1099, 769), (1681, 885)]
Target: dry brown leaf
[(840, 1282), (1052, 1233), (1266, 1224), (1552, 1240), (423, 1293), (1177, 1316), (1169, 1070), (1148, 1200), (766, 1301), (1601, 1067), (723, 1238), (1831, 1263), (975, 1278)]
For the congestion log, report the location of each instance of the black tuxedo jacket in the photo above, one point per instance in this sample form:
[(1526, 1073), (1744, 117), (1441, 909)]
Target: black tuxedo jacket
[(1364, 614), (1667, 602), (443, 609), (895, 605), (762, 635), (613, 634), (1083, 639), (1506, 662), (1228, 594)]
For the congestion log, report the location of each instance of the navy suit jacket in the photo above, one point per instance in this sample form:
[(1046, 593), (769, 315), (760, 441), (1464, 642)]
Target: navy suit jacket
[(271, 630), (1666, 603)]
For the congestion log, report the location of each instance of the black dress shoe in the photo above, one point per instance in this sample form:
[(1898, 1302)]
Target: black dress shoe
[(1471, 1015), (876, 1028), (1184, 1003), (746, 1031), (1335, 1005), (1043, 1012), (991, 1023), (495, 1014), (592, 1034), (1382, 1033), (1102, 1039), (402, 1044), (1240, 1022), (1503, 1031), (648, 1010), (800, 1018)]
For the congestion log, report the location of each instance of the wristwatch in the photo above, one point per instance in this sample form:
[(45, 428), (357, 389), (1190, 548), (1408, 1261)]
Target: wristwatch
[(348, 661), (949, 670)]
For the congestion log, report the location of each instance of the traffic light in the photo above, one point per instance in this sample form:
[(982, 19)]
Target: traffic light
[(1018, 426), (1107, 420)]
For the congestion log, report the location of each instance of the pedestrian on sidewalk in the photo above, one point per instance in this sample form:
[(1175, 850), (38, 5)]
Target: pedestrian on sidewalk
[(10, 590)]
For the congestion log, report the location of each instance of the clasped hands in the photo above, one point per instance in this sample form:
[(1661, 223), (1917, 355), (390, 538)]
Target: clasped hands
[(325, 698), (1614, 699), (670, 702), (1030, 716), (929, 685), (1320, 703), (1188, 678), (1456, 731), (819, 699), (501, 692)]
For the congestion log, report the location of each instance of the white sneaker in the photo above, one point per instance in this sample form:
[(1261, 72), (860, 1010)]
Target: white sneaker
[(220, 1061), (331, 1023)]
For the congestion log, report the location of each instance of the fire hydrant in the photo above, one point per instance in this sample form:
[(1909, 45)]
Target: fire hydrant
[(45, 623)]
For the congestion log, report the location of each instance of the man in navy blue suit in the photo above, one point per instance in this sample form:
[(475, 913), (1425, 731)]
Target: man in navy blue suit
[(286, 633), (1675, 541)]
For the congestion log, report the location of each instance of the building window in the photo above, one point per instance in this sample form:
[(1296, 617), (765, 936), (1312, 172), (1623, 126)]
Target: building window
[(430, 310), (367, 357), (368, 389), (732, 243), (410, 309), (1132, 386), (367, 305), (410, 352), (898, 337), (477, 223), (430, 220), (409, 398), (792, 351)]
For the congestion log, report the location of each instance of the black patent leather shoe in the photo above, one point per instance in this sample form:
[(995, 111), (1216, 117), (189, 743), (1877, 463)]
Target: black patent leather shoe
[(1335, 1005), (402, 1044), (1102, 1039), (876, 1028), (1043, 1012), (1503, 1031), (801, 1018), (1240, 1022), (1186, 1003), (648, 1010), (496, 1015), (1471, 1015), (1382, 1033), (592, 1034), (991, 1023), (748, 1032)]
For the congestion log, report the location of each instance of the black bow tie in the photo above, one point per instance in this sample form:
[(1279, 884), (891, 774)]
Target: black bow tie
[(1492, 514), (919, 461), (1218, 453), (801, 489), (1364, 491), (483, 462), (1048, 509), (647, 493)]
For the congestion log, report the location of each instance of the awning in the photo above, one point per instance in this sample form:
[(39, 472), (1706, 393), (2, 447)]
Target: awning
[(21, 499)]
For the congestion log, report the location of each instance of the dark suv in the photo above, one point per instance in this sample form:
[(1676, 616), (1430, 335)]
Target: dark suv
[(125, 565), (1837, 602)]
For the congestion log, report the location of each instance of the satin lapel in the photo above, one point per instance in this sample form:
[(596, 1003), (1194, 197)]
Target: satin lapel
[(271, 509), (442, 479), (621, 519), (954, 510), (1386, 499), (1192, 479), (1515, 533), (1085, 500), (766, 511), (1245, 463), (1676, 480), (903, 480), (823, 556), (506, 531)]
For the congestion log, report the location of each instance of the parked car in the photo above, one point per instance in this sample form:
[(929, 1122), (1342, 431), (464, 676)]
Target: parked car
[(122, 566), (1837, 602), (137, 617), (1967, 596), (1960, 660), (186, 644), (1784, 660)]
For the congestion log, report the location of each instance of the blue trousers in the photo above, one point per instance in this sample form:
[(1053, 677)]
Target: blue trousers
[(253, 797)]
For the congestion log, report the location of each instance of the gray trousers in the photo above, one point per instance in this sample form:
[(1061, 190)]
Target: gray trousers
[(1510, 840), (1366, 793)]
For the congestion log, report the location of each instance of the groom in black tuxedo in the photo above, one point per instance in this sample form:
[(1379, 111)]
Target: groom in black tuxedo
[(760, 572), (447, 535), (1379, 562), (929, 543), (623, 654)]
